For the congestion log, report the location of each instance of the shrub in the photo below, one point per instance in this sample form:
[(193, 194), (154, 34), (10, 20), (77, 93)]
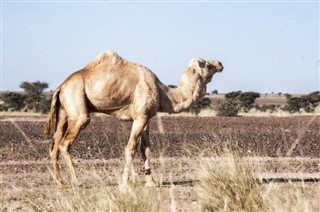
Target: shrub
[(264, 108), (13, 101), (308, 102), (203, 103), (227, 108), (247, 100), (235, 101)]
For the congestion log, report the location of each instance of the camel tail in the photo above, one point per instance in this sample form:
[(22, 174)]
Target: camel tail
[(54, 109)]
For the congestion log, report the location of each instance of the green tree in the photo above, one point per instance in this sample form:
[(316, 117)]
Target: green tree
[(235, 101), (233, 96), (247, 100), (214, 92), (34, 95), (230, 105)]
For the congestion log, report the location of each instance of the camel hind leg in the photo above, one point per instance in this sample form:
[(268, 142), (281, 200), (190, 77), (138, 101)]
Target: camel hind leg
[(74, 127), (54, 146), (73, 100)]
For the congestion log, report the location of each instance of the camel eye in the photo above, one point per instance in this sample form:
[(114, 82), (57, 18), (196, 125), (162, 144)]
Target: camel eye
[(210, 66)]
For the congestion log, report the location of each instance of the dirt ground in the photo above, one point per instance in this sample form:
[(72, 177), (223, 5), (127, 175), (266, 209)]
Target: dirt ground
[(282, 147)]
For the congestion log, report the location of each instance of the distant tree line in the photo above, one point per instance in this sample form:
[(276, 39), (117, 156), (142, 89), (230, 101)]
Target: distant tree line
[(32, 99), (237, 101)]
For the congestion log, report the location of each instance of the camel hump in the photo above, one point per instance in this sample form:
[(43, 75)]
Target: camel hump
[(108, 56)]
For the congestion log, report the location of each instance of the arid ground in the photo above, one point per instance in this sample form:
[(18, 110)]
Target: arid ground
[(285, 150)]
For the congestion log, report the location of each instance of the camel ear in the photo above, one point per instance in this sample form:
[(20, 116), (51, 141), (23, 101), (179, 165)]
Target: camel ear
[(197, 63), (210, 66)]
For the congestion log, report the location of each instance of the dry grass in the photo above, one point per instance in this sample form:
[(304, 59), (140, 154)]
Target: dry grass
[(231, 184), (278, 113), (225, 183), (292, 197), (228, 185), (19, 114), (100, 196)]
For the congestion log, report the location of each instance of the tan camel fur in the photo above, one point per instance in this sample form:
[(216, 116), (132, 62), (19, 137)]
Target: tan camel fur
[(128, 91)]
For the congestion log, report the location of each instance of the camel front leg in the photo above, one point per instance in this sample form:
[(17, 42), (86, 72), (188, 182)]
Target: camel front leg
[(137, 127), (146, 155)]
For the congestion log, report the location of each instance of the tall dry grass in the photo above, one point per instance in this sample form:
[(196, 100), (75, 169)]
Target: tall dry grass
[(231, 183), (226, 184)]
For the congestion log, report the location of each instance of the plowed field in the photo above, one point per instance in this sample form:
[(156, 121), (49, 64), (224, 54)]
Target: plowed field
[(283, 146)]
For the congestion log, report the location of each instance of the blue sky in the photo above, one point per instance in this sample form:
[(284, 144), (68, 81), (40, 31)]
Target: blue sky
[(265, 46)]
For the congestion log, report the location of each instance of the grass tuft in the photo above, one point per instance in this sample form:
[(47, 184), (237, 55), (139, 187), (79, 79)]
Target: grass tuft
[(228, 185)]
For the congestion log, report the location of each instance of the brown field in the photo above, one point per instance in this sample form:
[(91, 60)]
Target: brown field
[(281, 149)]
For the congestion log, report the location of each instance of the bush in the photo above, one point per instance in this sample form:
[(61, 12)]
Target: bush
[(13, 101), (203, 103), (265, 108), (214, 92), (308, 102), (235, 101), (247, 100), (32, 98), (44, 105), (227, 108)]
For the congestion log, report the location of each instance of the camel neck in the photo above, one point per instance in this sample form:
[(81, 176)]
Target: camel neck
[(175, 100)]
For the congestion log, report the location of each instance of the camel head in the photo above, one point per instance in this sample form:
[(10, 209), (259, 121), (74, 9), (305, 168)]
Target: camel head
[(197, 75), (205, 69)]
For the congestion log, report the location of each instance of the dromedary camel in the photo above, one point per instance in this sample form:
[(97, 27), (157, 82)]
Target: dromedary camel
[(128, 91)]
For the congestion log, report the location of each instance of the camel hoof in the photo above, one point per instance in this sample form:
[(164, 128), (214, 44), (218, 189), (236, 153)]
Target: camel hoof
[(151, 184), (149, 181)]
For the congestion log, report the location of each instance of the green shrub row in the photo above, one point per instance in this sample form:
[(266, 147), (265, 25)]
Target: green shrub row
[(237, 101), (32, 99)]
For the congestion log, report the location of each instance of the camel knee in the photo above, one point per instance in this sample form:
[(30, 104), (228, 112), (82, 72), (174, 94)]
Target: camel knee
[(129, 152), (64, 150)]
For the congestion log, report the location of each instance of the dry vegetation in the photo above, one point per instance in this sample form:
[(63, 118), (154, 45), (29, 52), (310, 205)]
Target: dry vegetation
[(200, 163)]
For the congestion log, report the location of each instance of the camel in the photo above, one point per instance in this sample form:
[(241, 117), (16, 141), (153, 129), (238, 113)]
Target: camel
[(126, 90)]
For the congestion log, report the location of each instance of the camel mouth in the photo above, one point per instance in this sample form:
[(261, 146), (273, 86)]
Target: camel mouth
[(220, 69)]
